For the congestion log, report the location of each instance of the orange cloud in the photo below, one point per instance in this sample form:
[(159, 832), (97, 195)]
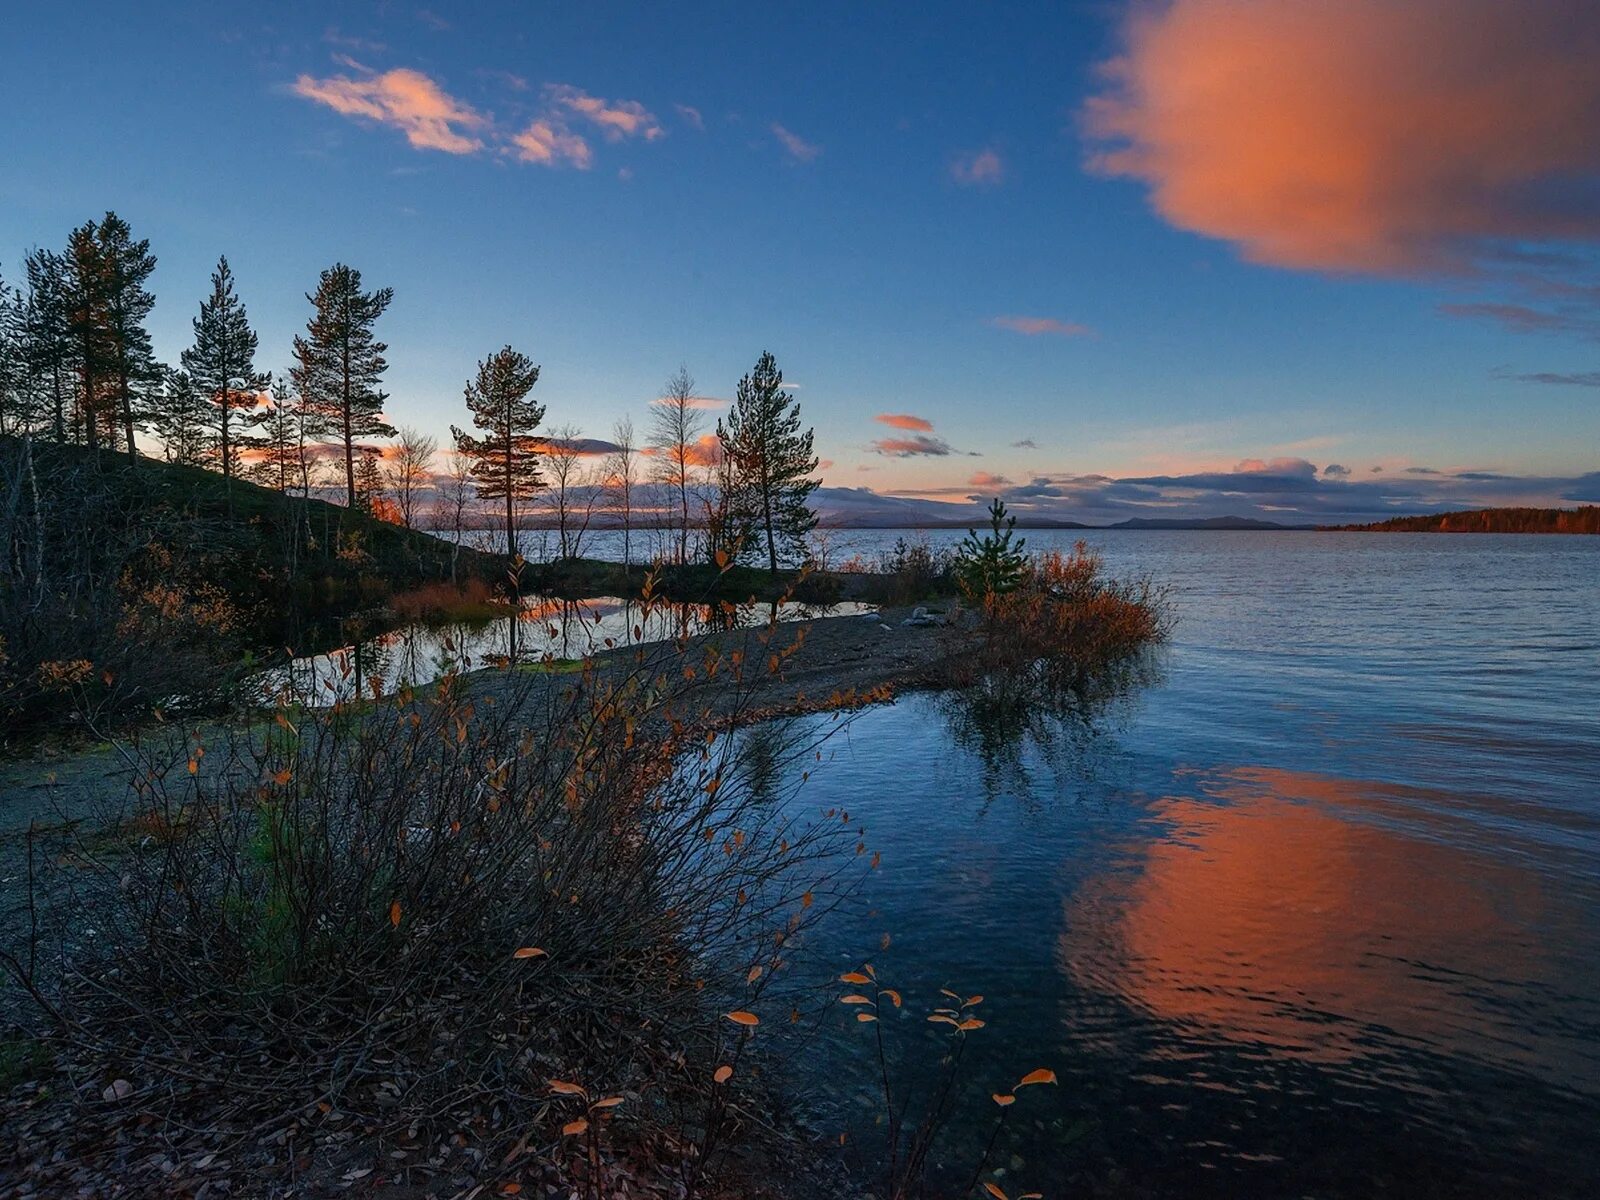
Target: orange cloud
[(983, 169), (408, 100), (1362, 135), (551, 144), (706, 452), (904, 421), (1040, 326), (616, 119), (985, 479), (799, 149)]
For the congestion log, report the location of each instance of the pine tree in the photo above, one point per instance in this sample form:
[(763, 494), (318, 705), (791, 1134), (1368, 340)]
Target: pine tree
[(181, 421), (222, 364), (130, 364), (279, 465), (370, 496), (17, 413), (94, 416), (992, 564), (47, 337), (339, 363), (505, 462), (769, 461)]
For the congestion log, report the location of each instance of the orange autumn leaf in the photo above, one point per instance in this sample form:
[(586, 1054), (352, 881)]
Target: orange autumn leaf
[(970, 1023), (994, 1190), (722, 1074), (755, 974), (740, 1017), (529, 952), (573, 1128), (608, 1102), (853, 977), (1003, 1100), (865, 1017), (855, 999), (893, 995), (394, 914), (563, 1088), (1042, 1075)]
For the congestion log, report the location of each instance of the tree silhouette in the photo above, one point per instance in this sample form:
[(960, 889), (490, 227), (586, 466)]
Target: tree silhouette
[(770, 461), (339, 363), (505, 462)]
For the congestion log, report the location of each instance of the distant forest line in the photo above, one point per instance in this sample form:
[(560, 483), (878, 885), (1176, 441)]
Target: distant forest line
[(1491, 520)]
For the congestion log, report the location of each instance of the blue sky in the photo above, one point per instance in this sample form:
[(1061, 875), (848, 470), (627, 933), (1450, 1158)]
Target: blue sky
[(872, 193)]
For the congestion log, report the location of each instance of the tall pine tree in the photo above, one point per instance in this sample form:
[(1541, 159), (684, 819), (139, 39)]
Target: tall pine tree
[(131, 369), (339, 363), (94, 416), (222, 364), (47, 341), (769, 460), (505, 462)]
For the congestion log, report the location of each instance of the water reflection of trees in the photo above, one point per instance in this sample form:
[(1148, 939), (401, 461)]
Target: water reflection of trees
[(1016, 724)]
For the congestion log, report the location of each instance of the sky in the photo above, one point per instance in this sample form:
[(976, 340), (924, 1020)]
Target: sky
[(1331, 259)]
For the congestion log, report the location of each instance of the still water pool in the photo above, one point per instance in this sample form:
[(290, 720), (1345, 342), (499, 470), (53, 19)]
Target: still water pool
[(1316, 912)]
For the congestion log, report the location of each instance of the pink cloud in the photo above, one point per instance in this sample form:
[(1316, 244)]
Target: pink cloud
[(1040, 326), (799, 149), (904, 421), (1363, 135), (983, 169), (550, 144), (984, 479), (616, 119), (405, 99)]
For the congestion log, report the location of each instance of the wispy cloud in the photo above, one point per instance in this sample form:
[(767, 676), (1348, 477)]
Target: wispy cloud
[(691, 116), (432, 119), (407, 100), (1025, 444), (1042, 326), (904, 421), (984, 479), (550, 144), (616, 119), (1520, 318), (798, 148), (982, 169), (1590, 379)]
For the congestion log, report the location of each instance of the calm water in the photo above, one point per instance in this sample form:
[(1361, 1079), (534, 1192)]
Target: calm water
[(1315, 913)]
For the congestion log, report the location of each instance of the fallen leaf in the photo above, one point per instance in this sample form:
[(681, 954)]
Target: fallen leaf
[(723, 1074), (573, 1128), (741, 1017), (529, 952), (1003, 1100), (1042, 1075)]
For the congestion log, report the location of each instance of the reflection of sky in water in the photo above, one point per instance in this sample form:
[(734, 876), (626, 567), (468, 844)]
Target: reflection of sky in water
[(1316, 913), (545, 629)]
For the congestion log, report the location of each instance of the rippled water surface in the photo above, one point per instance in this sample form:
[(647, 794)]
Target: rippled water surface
[(1317, 912)]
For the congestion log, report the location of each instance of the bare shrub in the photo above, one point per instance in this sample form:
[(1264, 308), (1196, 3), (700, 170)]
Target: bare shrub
[(413, 915)]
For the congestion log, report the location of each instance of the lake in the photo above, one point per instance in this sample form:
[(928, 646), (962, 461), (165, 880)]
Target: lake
[(1316, 912)]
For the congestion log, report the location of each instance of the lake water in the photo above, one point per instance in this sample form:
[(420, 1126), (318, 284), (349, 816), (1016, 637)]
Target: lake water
[(1316, 912)]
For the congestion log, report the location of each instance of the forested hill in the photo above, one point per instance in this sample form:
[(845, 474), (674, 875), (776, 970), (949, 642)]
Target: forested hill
[(122, 583), (1491, 520)]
